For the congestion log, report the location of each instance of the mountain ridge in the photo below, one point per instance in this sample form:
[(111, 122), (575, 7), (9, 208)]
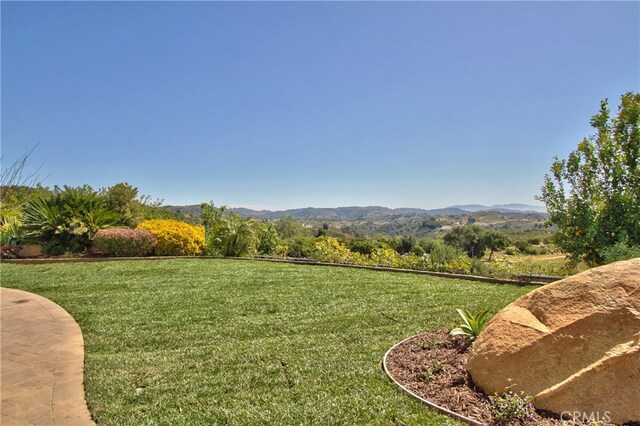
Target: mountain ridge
[(364, 213)]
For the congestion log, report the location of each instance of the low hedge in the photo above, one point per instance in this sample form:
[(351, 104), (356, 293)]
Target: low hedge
[(124, 242)]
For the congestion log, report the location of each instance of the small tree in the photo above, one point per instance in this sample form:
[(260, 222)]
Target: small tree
[(593, 197), (405, 244), (267, 237), (495, 241), (289, 227), (122, 198), (469, 239)]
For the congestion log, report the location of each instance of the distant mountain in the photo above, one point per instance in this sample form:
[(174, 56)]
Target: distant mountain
[(369, 213), (432, 212), (502, 208)]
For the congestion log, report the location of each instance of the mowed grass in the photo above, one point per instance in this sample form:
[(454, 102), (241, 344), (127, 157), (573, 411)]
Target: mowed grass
[(248, 343)]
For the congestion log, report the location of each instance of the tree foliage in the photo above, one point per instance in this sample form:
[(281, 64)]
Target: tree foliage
[(227, 234), (133, 208), (495, 241), (267, 237), (122, 198), (593, 196), (289, 227), (469, 239)]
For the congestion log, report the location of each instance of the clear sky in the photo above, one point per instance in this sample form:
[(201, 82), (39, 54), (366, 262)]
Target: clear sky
[(324, 104)]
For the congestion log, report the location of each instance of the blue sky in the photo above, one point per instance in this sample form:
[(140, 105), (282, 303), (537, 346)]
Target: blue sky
[(295, 104)]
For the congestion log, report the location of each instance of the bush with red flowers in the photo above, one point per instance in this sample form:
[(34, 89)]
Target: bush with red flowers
[(9, 251)]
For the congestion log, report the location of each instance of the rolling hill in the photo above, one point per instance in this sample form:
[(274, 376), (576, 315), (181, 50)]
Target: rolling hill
[(354, 213)]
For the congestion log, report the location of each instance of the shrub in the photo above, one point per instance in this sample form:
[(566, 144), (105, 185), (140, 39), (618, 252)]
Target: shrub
[(14, 197), (227, 234), (237, 238), (288, 228), (300, 247), (8, 251), (511, 251), (534, 241), (429, 372), (468, 238), (385, 257), (124, 242), (175, 238), (417, 250), (523, 246), (363, 245), (444, 258), (67, 220), (404, 244), (11, 233), (281, 250), (511, 405), (267, 239), (479, 267), (620, 251), (328, 249), (427, 244)]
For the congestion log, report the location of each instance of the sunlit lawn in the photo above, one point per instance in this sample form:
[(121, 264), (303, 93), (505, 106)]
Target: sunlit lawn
[(245, 342)]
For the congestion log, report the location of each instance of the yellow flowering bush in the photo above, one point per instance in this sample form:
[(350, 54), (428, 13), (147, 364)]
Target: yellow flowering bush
[(328, 249), (385, 257), (175, 238), (281, 250)]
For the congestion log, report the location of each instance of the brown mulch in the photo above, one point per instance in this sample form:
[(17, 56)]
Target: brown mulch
[(431, 365)]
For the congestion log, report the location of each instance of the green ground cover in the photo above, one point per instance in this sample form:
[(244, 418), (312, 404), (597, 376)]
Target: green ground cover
[(196, 341)]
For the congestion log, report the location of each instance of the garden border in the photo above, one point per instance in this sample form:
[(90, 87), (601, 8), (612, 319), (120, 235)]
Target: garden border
[(428, 403), (289, 260)]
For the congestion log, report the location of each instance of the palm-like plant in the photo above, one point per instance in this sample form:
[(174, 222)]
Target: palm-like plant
[(472, 324), (227, 233), (237, 238), (68, 220)]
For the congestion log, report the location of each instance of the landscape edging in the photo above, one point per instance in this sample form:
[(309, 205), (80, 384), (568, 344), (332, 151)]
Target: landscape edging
[(428, 403), (292, 261)]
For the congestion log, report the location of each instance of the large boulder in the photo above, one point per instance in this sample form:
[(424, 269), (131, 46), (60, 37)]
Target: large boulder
[(574, 345)]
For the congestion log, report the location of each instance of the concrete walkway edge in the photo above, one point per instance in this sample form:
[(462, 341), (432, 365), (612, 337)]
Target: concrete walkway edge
[(41, 374)]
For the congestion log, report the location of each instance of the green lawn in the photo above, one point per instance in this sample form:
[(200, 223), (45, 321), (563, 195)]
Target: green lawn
[(244, 342)]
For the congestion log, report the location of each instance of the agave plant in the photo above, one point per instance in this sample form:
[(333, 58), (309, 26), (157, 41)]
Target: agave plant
[(472, 325)]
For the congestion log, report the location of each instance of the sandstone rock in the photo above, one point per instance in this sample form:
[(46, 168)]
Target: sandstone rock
[(574, 345), (30, 250)]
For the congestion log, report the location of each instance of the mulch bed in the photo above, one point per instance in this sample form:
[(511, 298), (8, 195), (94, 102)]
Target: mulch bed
[(431, 365)]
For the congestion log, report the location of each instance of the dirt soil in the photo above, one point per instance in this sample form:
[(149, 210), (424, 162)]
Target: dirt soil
[(431, 365)]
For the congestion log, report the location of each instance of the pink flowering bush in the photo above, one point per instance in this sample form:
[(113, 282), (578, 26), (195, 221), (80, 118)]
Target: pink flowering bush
[(9, 251), (124, 242)]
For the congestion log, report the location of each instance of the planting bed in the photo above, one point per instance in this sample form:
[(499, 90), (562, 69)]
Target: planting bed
[(431, 366)]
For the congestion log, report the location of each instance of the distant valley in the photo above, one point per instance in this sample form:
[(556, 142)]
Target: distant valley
[(371, 213)]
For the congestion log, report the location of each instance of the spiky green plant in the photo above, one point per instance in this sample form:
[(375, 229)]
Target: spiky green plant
[(68, 220), (472, 323)]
